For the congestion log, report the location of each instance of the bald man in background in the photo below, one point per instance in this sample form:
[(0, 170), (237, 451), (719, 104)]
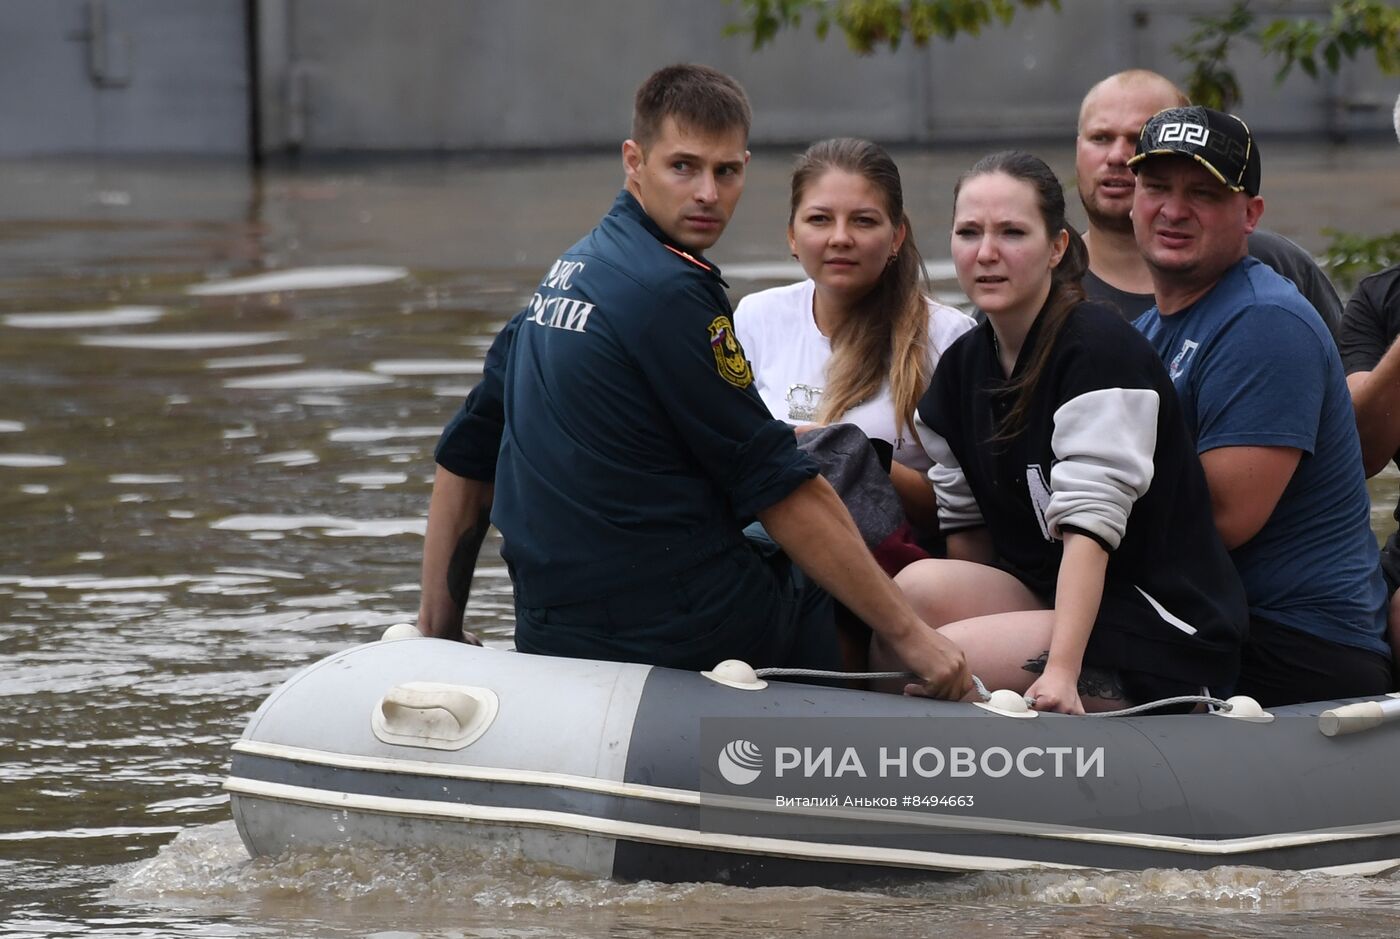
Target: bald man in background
[(1110, 120)]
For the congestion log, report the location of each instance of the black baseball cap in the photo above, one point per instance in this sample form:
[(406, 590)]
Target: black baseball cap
[(1218, 141)]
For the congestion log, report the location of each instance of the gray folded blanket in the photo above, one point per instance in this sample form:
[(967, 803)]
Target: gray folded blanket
[(848, 461)]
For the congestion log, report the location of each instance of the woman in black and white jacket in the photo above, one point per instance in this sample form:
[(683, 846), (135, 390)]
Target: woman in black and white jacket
[(1084, 566)]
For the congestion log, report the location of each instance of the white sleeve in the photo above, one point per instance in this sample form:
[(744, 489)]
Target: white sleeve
[(1104, 442), (956, 506), (745, 316), (945, 325)]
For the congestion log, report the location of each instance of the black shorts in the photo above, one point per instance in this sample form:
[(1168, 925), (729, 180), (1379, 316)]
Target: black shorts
[(1138, 687), (1142, 687), (1287, 666)]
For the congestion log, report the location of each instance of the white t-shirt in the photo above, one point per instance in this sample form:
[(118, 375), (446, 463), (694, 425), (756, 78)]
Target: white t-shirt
[(778, 331)]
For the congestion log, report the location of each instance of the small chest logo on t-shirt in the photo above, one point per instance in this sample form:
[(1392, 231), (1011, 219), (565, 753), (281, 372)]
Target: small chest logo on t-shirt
[(1183, 359), (803, 401)]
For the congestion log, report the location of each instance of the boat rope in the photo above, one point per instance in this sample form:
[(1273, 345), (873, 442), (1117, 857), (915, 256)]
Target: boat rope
[(986, 695)]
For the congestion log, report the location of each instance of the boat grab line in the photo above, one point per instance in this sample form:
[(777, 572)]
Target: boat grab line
[(635, 831), (982, 825), (719, 841)]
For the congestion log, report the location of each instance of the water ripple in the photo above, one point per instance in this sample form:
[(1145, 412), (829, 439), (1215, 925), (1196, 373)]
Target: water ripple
[(306, 278), (176, 341), (86, 319)]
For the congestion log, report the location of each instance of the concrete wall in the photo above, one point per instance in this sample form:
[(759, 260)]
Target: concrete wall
[(123, 77), (472, 74), (463, 75)]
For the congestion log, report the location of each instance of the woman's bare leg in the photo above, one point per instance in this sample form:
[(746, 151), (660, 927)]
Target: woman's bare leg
[(942, 591), (1001, 626), (1009, 650)]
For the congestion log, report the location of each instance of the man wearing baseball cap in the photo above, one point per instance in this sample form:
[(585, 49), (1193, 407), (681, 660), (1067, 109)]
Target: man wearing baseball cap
[(1263, 392)]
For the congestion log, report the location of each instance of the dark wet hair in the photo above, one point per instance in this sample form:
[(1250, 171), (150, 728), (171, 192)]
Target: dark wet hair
[(1066, 280), (886, 338), (698, 97)]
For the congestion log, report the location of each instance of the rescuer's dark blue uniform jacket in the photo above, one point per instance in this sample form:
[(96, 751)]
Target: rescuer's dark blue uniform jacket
[(617, 417)]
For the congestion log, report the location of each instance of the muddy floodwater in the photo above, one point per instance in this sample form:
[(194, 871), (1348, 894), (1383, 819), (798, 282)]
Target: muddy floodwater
[(221, 395)]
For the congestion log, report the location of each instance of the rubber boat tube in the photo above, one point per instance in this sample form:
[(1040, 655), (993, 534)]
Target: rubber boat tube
[(633, 772)]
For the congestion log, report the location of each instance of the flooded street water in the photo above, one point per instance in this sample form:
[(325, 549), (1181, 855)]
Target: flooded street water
[(210, 479)]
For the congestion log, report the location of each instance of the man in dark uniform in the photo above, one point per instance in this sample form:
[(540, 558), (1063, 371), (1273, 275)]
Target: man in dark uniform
[(628, 448)]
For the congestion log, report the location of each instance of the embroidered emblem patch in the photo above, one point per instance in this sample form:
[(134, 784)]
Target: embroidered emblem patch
[(729, 355)]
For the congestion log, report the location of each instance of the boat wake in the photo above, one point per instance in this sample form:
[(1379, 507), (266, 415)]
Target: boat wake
[(208, 867)]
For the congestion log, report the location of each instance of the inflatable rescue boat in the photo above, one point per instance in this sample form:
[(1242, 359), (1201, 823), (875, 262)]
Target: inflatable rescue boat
[(634, 772)]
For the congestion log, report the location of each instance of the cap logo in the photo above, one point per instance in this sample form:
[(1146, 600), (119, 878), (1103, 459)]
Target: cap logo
[(1220, 142), (1180, 131)]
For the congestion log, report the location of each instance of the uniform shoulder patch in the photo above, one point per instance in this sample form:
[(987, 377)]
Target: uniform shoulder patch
[(729, 355)]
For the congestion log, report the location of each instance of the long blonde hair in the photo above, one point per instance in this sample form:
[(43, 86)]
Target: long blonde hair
[(885, 338)]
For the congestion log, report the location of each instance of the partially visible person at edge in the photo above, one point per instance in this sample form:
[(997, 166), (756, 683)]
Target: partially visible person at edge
[(1083, 565), (857, 341), (1261, 385), (1371, 357), (617, 418), (1110, 120)]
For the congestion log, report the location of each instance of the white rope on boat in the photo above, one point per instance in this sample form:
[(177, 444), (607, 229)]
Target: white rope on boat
[(986, 695)]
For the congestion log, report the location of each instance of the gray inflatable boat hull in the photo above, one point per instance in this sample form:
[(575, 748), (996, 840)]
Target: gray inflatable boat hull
[(632, 772)]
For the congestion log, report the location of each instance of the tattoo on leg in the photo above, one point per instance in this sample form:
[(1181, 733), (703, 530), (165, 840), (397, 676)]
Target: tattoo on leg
[(1100, 683), (1094, 682)]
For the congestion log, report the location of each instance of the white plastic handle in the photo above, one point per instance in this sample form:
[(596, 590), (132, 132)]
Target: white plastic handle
[(437, 716), (420, 703), (1354, 718)]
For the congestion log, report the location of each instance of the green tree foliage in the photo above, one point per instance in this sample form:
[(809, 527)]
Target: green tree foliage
[(1210, 80), (1308, 43), (869, 24), (1350, 257)]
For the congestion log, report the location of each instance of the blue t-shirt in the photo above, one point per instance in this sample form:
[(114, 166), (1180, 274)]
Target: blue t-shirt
[(1254, 366)]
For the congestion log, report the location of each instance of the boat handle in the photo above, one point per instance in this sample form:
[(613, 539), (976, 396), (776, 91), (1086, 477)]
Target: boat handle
[(438, 716)]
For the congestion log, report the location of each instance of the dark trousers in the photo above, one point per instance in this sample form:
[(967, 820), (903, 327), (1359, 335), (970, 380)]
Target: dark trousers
[(750, 603), (1287, 666)]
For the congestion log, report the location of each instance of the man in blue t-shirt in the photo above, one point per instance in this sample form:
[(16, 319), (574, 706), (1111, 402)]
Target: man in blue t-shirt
[(1262, 390), (617, 442)]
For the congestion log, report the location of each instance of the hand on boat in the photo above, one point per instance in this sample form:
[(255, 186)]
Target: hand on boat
[(1056, 691), (941, 665), (446, 629)]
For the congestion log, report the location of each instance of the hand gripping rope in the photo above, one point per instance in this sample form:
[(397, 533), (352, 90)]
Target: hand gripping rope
[(1221, 705)]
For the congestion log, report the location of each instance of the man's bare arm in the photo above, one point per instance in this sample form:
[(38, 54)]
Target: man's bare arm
[(815, 529), (1375, 397), (1245, 486), (458, 516)]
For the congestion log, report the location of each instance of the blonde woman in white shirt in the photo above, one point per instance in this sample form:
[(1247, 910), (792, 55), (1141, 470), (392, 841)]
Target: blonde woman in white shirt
[(858, 340)]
